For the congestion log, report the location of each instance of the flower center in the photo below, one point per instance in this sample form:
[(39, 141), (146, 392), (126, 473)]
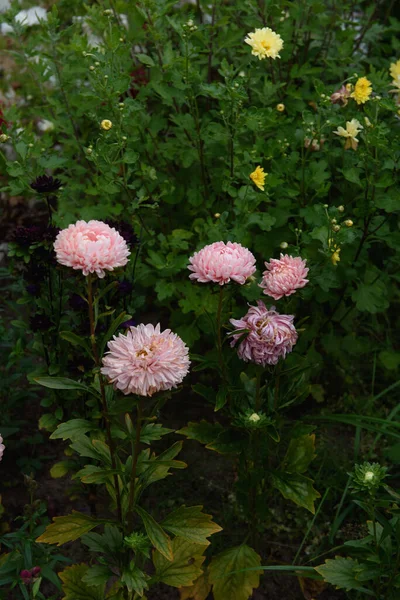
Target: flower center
[(266, 46), (142, 352)]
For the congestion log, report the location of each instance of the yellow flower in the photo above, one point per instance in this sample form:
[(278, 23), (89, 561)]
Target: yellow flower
[(395, 70), (106, 124), (258, 177), (348, 223), (353, 127), (264, 43), (335, 258), (362, 90), (280, 107)]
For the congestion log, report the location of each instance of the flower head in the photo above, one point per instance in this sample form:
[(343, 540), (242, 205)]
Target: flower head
[(367, 477), (92, 247), (254, 418), (395, 70), (146, 360), (220, 262), (106, 124), (349, 223), (284, 276), (46, 185), (265, 43), (335, 258), (2, 448), (342, 95), (258, 177), (280, 107), (270, 335), (362, 90), (353, 128)]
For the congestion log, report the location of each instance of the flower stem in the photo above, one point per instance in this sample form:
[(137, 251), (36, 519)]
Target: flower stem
[(103, 394), (135, 454), (219, 337)]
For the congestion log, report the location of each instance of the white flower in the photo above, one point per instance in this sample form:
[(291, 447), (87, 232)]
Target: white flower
[(254, 418), (44, 125), (31, 16), (369, 476), (353, 128)]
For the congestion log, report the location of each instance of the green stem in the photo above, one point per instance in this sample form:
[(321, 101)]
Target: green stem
[(135, 454), (103, 394), (219, 336)]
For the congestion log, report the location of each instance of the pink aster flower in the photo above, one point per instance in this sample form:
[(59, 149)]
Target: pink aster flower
[(2, 447), (145, 360), (270, 336), (284, 276), (93, 247), (220, 262)]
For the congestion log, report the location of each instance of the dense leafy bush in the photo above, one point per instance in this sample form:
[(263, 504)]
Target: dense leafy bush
[(272, 125)]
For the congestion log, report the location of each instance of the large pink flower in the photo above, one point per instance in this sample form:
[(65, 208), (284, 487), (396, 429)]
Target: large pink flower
[(284, 276), (145, 360), (93, 247), (2, 447), (270, 336), (220, 262)]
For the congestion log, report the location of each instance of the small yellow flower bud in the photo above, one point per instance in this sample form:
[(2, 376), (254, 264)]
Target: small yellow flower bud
[(242, 74), (217, 215), (30, 145), (254, 418), (91, 68), (106, 124), (105, 76), (283, 245), (326, 205), (97, 64), (280, 107), (108, 11), (336, 228), (340, 208), (348, 223), (121, 40), (3, 138), (124, 138), (333, 221), (121, 104), (89, 150)]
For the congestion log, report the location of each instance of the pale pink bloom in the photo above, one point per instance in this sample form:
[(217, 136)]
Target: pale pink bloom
[(145, 360), (2, 447), (220, 262), (284, 276), (342, 95), (93, 247), (269, 337)]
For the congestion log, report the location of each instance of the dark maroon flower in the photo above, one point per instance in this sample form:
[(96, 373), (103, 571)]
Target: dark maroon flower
[(26, 576), (33, 289), (124, 229), (3, 122), (35, 571), (40, 322), (76, 302), (139, 78), (45, 184), (125, 287)]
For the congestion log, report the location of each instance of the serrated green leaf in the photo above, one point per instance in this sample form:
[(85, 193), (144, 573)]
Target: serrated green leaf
[(97, 575), (191, 524), (75, 589), (300, 453), (156, 534), (341, 572), (202, 432), (134, 579), (185, 567), (48, 422), (70, 430), (68, 528), (152, 432), (297, 488), (227, 582)]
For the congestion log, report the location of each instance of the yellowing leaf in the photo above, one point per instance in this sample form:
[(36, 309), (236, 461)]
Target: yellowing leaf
[(227, 582), (59, 469), (156, 534), (76, 589), (198, 591), (68, 528), (185, 567), (191, 524)]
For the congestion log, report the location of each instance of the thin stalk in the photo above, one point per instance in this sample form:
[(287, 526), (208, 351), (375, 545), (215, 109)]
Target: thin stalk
[(219, 336), (303, 541), (103, 395), (135, 454)]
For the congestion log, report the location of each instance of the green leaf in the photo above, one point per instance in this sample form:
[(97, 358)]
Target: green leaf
[(59, 469), (341, 572), (74, 587), (145, 59), (71, 430), (297, 488), (22, 149), (191, 524), (130, 157), (97, 575), (60, 383), (48, 422), (227, 582), (134, 579), (300, 453), (200, 590), (68, 528), (75, 340), (202, 432), (153, 432), (156, 534), (222, 396), (371, 297), (184, 568)]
